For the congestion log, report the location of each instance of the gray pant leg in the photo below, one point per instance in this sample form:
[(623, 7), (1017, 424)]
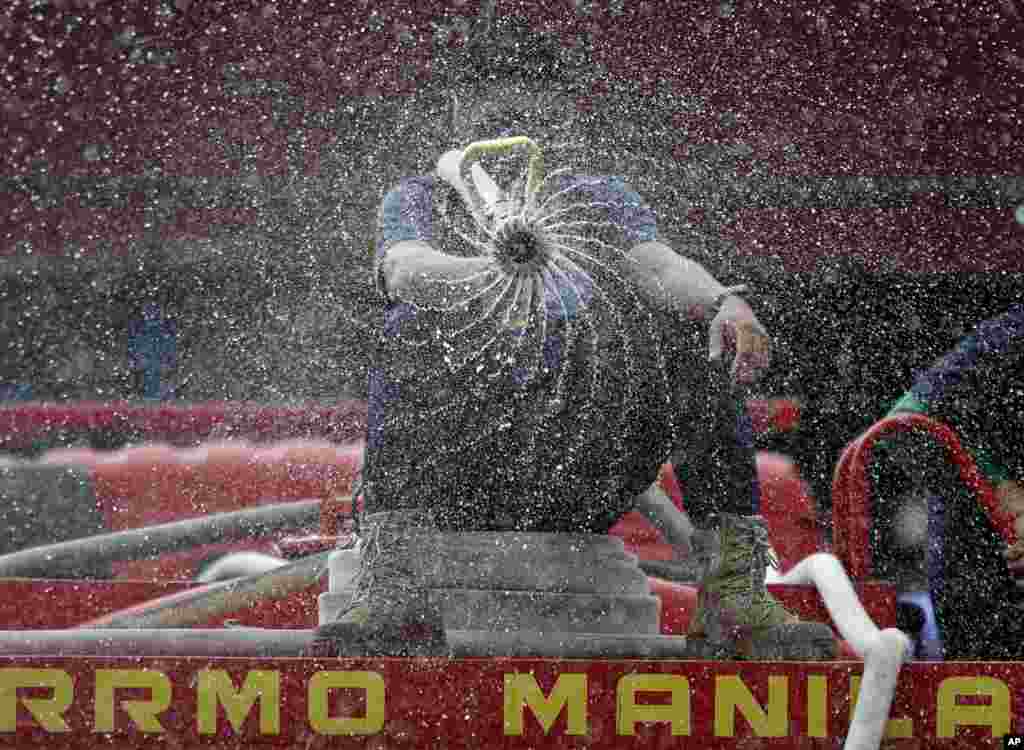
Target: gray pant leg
[(715, 458)]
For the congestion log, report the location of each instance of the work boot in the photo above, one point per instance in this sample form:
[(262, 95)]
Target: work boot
[(391, 612), (735, 612)]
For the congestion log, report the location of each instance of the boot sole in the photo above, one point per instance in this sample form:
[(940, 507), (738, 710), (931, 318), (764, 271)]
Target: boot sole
[(804, 641), (340, 640)]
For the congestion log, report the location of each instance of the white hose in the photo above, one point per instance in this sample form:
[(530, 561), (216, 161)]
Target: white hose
[(883, 651), (881, 669)]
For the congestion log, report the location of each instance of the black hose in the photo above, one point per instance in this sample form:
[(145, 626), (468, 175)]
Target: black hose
[(65, 558), (199, 606), (206, 642)]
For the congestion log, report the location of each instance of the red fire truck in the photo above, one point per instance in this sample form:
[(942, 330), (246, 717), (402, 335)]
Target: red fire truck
[(169, 518)]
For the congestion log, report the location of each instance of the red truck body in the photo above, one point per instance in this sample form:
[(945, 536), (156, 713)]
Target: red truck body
[(884, 133)]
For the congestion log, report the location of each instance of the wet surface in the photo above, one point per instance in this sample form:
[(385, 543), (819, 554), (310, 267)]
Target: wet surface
[(859, 165)]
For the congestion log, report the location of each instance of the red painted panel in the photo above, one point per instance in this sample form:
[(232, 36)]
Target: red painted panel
[(854, 88), (182, 423), (27, 604), (493, 703), (153, 484)]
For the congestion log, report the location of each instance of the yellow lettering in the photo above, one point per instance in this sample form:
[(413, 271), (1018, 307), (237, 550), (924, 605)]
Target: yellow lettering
[(522, 690), (950, 715), (894, 728), (677, 711), (732, 694), (320, 686), (142, 713), (46, 711), (216, 687), (817, 705)]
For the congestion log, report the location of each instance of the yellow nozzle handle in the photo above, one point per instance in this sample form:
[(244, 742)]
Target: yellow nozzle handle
[(477, 149)]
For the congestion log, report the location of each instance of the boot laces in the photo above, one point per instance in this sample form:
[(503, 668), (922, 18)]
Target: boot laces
[(761, 552), (751, 555)]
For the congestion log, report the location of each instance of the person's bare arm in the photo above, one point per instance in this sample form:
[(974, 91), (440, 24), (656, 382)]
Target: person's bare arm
[(678, 283), (414, 271), (686, 287), (407, 267)]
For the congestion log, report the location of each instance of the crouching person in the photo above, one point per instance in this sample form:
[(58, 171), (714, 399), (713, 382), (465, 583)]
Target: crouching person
[(543, 353)]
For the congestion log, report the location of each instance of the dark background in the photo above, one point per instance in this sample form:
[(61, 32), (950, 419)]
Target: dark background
[(859, 164)]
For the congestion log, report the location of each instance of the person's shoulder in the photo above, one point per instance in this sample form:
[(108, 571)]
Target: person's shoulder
[(408, 190), (1004, 332), (1015, 315), (427, 181)]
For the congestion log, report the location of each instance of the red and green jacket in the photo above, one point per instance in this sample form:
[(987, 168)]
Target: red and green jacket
[(978, 389)]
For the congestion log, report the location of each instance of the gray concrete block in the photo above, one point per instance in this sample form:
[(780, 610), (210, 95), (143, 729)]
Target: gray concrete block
[(330, 605), (513, 561), (507, 611), (469, 644), (509, 581)]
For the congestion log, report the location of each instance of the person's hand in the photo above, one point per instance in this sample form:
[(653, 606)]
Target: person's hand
[(1014, 555), (735, 328), (1010, 495)]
